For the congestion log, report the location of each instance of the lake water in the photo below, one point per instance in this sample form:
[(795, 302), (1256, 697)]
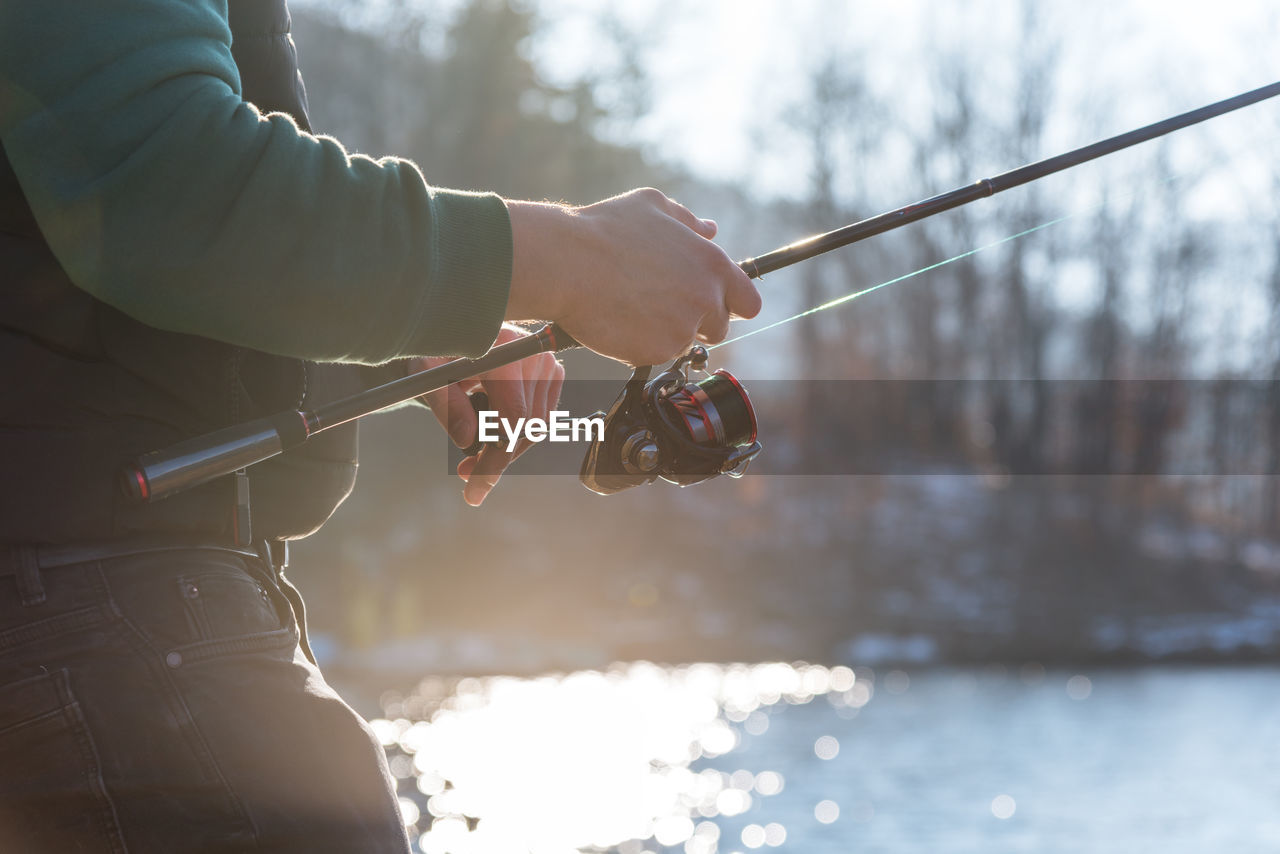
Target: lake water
[(710, 759)]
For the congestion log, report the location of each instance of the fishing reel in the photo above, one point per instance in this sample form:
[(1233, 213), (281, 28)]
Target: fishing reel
[(674, 428)]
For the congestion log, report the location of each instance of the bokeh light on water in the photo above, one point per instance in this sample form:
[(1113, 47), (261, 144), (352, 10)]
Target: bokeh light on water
[(592, 760), (727, 759)]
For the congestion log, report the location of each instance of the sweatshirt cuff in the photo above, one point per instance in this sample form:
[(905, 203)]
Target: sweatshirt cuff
[(470, 276)]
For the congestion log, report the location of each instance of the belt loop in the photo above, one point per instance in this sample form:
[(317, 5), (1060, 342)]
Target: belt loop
[(263, 548), (26, 570), (274, 553), (242, 515)]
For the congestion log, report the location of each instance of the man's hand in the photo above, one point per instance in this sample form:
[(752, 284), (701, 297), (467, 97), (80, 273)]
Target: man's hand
[(525, 389), (635, 277)]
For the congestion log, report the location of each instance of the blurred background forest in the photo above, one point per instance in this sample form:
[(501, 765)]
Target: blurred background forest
[(1061, 448)]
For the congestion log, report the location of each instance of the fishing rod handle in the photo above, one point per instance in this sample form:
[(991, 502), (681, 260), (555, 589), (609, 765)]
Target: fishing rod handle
[(159, 474), (201, 459)]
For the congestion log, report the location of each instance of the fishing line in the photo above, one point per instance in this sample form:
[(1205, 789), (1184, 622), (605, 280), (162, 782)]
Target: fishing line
[(850, 297), (1158, 183)]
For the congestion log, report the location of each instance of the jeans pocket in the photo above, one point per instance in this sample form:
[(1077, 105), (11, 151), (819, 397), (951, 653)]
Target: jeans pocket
[(52, 797), (225, 602), (229, 611)]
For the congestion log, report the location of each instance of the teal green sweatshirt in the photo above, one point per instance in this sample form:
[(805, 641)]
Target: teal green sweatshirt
[(163, 194)]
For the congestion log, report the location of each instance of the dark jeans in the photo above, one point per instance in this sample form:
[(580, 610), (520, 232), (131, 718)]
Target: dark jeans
[(160, 703)]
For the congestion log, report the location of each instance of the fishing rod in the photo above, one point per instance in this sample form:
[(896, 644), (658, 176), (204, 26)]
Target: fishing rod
[(671, 426)]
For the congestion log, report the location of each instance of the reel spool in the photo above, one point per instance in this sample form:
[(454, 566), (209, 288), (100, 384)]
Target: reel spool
[(674, 428)]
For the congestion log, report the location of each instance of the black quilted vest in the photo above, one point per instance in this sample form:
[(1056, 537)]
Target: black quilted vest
[(83, 388)]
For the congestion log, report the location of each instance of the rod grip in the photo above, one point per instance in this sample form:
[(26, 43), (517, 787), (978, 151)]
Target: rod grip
[(195, 461), (187, 464)]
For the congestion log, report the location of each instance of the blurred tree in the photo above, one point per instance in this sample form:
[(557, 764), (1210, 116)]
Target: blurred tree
[(477, 114), (1101, 355), (1028, 321), (1270, 505), (837, 120)]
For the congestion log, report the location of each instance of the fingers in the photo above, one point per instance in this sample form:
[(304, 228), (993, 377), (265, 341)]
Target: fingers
[(527, 389), (704, 227), (714, 328), (555, 386), (742, 298), (452, 408), (506, 387), (484, 473)]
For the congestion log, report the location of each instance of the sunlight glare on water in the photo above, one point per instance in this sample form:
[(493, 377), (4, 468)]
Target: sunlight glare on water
[(1003, 806), (592, 760), (642, 759)]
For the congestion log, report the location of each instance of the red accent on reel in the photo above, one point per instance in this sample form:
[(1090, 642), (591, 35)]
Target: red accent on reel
[(716, 411)]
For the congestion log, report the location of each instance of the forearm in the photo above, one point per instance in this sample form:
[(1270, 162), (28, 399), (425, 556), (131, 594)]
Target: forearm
[(165, 195)]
